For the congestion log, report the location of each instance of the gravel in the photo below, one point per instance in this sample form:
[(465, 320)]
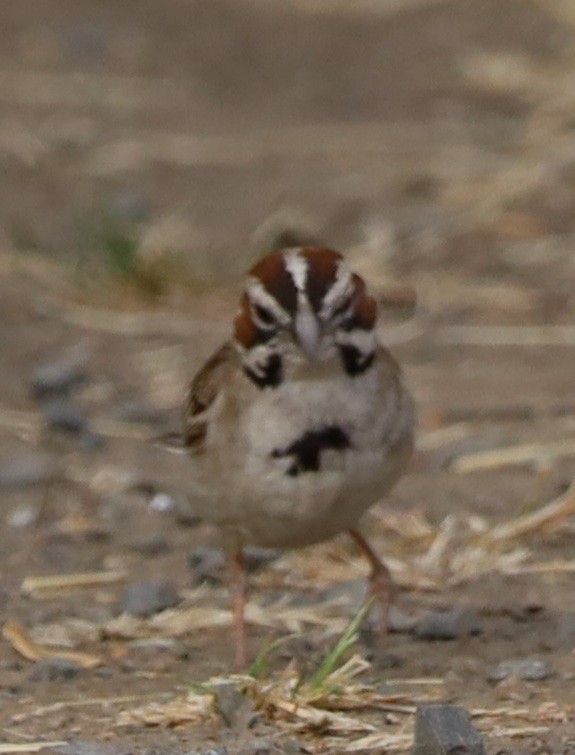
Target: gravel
[(147, 598)]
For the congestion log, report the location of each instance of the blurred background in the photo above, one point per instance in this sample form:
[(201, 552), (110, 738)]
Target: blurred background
[(433, 133), (150, 151)]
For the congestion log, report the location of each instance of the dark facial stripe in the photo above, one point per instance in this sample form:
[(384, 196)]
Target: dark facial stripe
[(354, 361), (306, 450), (278, 282), (271, 373), (323, 266)]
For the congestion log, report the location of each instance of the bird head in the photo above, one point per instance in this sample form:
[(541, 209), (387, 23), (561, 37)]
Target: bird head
[(303, 309)]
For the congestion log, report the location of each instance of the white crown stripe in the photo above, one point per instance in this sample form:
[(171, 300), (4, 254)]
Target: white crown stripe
[(297, 266)]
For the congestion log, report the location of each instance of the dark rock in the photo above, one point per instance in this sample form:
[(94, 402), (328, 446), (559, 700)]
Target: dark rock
[(56, 379), (207, 563), (26, 471), (448, 625), (147, 598), (54, 670), (153, 545), (234, 707), (61, 414), (445, 730), (530, 670)]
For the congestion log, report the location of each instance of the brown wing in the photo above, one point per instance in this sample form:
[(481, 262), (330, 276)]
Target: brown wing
[(202, 393)]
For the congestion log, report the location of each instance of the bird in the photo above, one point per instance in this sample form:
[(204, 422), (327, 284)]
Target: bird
[(300, 422)]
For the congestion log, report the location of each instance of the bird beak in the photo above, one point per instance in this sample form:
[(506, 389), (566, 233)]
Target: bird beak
[(308, 333)]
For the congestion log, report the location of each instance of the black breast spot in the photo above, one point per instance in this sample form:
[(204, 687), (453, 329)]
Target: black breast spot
[(354, 361), (306, 450)]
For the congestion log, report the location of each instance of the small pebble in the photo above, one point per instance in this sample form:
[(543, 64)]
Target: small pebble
[(162, 502), (207, 563), (146, 598), (23, 516), (54, 670), (445, 730), (56, 379), (530, 670), (61, 414), (448, 625)]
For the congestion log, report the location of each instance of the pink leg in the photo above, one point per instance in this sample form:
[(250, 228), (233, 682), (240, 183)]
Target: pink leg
[(238, 587), (380, 582)]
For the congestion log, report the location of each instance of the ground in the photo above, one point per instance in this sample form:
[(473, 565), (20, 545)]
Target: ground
[(148, 153)]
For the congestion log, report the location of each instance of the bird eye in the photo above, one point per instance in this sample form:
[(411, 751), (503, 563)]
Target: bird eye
[(264, 316)]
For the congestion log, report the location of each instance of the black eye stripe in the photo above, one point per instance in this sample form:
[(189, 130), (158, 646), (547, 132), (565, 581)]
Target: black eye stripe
[(263, 315)]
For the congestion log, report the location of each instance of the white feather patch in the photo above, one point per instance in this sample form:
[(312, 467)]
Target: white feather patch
[(297, 267), (257, 293), (342, 287), (363, 340)]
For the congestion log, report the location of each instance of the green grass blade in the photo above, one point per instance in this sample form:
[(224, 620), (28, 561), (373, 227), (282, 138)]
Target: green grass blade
[(346, 641)]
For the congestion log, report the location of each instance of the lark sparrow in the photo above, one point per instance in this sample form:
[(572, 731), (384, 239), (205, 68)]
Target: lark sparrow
[(302, 421)]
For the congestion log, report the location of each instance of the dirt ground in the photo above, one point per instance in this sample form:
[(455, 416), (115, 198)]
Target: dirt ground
[(433, 142)]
